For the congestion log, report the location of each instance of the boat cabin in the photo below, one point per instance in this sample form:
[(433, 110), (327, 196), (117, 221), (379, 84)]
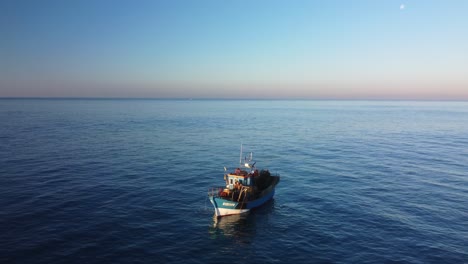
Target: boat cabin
[(240, 177)]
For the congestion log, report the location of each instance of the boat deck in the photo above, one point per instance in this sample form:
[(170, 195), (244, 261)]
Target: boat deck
[(245, 193)]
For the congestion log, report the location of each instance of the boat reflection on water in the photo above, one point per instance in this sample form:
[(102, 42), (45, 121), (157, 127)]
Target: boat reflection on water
[(241, 227)]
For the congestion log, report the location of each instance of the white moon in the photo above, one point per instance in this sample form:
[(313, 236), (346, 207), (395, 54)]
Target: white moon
[(402, 6)]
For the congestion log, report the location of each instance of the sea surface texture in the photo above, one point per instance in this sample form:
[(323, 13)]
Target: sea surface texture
[(126, 181)]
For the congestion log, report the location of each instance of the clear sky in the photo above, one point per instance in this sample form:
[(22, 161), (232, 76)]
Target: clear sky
[(367, 49)]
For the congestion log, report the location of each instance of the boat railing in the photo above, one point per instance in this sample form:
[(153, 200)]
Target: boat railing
[(215, 191)]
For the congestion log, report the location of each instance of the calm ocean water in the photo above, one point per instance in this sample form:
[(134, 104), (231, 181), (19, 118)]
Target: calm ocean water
[(126, 181)]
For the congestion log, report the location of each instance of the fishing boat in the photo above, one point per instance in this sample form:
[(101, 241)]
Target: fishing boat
[(245, 188)]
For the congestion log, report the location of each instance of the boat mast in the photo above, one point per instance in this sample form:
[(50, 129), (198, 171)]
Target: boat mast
[(240, 156)]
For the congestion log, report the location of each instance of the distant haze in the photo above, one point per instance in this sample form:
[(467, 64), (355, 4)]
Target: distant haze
[(235, 49)]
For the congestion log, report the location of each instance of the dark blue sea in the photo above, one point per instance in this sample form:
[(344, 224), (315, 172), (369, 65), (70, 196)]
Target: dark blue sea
[(126, 181)]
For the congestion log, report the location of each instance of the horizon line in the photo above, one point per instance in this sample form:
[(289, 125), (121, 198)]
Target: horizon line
[(222, 98)]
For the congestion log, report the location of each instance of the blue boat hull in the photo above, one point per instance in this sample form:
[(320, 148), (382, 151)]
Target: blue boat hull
[(225, 207)]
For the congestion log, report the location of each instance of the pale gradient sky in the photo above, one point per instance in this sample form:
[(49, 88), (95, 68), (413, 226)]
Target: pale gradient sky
[(235, 49)]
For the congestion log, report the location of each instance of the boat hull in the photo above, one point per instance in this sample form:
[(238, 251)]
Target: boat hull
[(224, 207)]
